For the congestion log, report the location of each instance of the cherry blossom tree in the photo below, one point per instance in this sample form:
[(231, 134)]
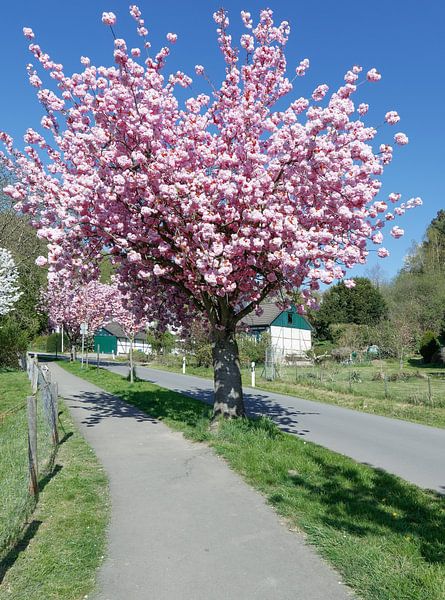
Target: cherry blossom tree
[(70, 303), (131, 316), (212, 204), (9, 289)]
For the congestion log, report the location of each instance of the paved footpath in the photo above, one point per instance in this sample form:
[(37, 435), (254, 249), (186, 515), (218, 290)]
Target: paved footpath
[(414, 452), (183, 525)]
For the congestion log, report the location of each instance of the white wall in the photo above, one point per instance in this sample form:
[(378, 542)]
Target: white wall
[(288, 340), (123, 346)]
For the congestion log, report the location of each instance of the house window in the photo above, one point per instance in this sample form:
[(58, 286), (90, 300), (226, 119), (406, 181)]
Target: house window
[(289, 318)]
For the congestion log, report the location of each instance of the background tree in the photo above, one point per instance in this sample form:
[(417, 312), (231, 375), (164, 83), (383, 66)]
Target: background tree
[(217, 202), (20, 238), (130, 324), (70, 303), (9, 288), (419, 288), (429, 345), (363, 304), (395, 337)]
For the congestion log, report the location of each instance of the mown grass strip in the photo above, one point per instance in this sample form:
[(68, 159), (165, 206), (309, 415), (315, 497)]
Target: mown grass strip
[(385, 536), (62, 545)]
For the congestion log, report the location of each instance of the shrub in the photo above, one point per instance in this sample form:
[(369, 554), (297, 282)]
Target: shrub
[(341, 354), (429, 345), (39, 344), (139, 356), (54, 342), (252, 349), (439, 356), (203, 355), (13, 344)]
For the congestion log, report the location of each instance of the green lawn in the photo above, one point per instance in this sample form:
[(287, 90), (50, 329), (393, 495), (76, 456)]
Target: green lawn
[(355, 386), (385, 536), (52, 552)]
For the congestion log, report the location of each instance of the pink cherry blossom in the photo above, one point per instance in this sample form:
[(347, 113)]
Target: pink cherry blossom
[(247, 19), (41, 261), (373, 75), (172, 38), (382, 252), (401, 139), (302, 67), (349, 283), (108, 18), (28, 33), (135, 12), (320, 92), (392, 117), (362, 109), (397, 232)]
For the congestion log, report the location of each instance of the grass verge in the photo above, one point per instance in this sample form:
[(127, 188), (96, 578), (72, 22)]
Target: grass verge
[(383, 535), (362, 400), (57, 553)]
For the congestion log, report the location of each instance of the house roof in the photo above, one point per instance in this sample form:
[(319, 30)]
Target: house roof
[(115, 329), (270, 313)]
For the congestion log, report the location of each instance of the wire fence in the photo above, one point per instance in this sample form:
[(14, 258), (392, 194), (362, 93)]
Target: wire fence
[(29, 442), (410, 386)]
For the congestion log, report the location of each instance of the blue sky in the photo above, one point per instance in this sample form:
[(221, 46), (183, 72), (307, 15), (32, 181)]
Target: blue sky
[(402, 38)]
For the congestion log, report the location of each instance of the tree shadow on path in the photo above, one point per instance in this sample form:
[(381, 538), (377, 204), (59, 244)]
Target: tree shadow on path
[(100, 406)]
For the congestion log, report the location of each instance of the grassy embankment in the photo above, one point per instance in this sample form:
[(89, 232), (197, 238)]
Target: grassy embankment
[(355, 386), (382, 534), (52, 551)]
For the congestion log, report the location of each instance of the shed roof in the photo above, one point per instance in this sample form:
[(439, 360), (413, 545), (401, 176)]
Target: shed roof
[(115, 329)]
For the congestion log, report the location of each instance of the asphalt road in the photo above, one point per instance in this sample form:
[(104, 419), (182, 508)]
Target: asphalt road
[(414, 452), (183, 525)]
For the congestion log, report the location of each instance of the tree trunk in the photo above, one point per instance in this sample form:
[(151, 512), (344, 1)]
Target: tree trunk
[(228, 400)]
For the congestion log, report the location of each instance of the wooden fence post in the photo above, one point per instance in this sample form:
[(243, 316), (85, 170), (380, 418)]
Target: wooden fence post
[(35, 375), (32, 446), (430, 395)]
